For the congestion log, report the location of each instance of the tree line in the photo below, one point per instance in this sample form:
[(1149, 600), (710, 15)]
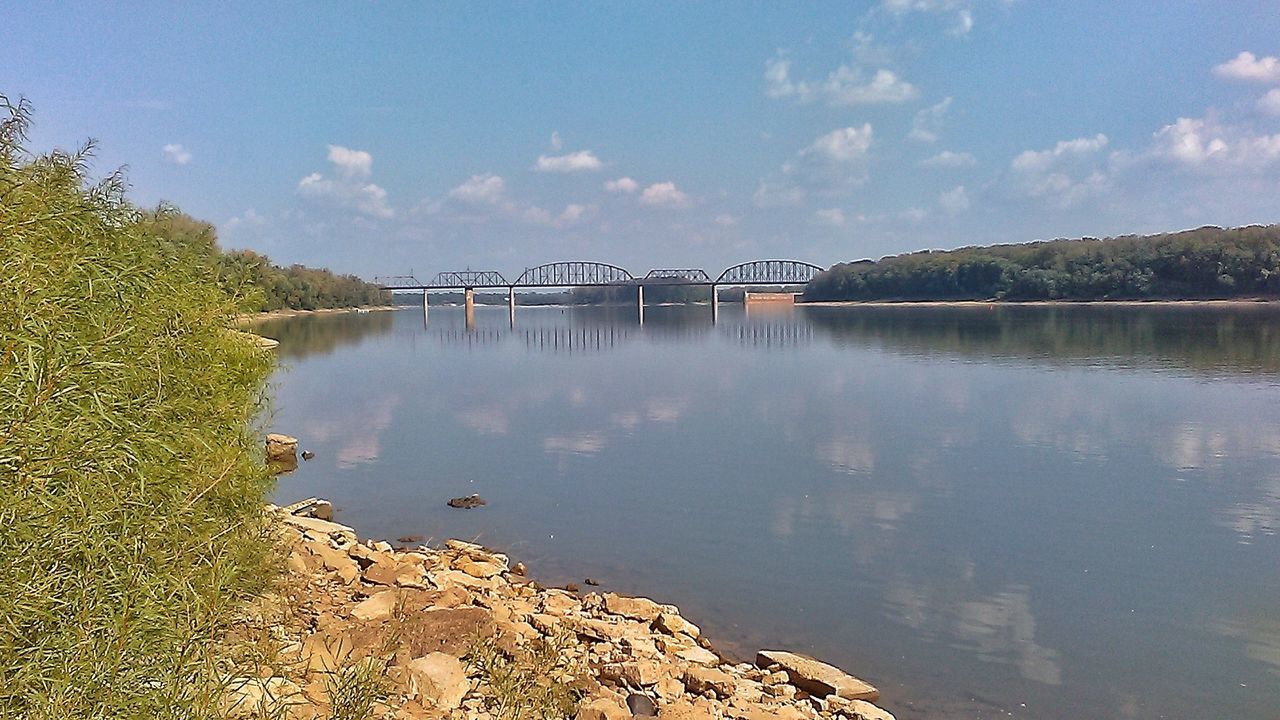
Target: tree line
[(258, 283), (1205, 263)]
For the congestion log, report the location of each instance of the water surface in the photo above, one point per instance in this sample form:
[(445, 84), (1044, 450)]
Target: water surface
[(1030, 512)]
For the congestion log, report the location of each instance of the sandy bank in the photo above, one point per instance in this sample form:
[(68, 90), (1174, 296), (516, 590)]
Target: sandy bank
[(251, 318), (457, 631)]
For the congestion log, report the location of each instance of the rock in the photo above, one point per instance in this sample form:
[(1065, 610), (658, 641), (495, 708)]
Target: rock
[(700, 656), (520, 569), (281, 447), (340, 535), (483, 569), (467, 503), (641, 706), (252, 697), (698, 680), (603, 708), (671, 624), (559, 602), (817, 678), (378, 607), (440, 679), (307, 454), (635, 608), (445, 630), (684, 709), (324, 654), (863, 710), (591, 582)]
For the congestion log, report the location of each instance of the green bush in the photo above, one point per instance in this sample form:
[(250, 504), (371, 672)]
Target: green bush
[(131, 482)]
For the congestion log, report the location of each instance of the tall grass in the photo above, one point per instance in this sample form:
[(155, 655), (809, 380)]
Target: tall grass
[(130, 482)]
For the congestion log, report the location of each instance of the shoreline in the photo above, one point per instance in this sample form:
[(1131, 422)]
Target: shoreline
[(253, 318), (447, 627)]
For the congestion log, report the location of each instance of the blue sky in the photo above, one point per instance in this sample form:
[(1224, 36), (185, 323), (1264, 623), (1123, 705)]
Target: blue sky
[(378, 137)]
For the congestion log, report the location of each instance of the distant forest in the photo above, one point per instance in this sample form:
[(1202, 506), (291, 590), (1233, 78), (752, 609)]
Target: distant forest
[(262, 284), (1206, 263)]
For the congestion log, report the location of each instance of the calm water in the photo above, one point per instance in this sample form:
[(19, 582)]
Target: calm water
[(1016, 512)]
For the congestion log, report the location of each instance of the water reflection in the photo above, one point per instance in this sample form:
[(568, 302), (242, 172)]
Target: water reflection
[(1027, 505), (1243, 338), (307, 335)]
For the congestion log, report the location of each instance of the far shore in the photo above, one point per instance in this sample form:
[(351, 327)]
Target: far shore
[(1237, 302), (251, 318)]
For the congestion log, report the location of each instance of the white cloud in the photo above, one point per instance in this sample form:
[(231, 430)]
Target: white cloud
[(555, 142), (844, 86), (349, 189), (622, 185), (1270, 103), (175, 154), (480, 189), (948, 159), (961, 9), (664, 194), (572, 213), (830, 216), (928, 122), (726, 220), (351, 163), (1247, 66), (846, 145), (1038, 160), (1204, 142), (955, 200), (582, 160), (365, 198), (1064, 175)]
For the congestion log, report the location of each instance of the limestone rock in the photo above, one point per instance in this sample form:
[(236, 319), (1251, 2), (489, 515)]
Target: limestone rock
[(863, 710), (378, 607), (818, 678), (603, 708), (698, 655), (281, 447), (635, 608), (701, 679), (700, 709), (440, 679), (672, 624)]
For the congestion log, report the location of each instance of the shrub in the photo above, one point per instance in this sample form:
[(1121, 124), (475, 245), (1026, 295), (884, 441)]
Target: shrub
[(131, 482)]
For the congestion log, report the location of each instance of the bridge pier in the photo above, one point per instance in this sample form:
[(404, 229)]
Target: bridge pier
[(640, 302), (511, 305), (469, 303), (424, 307), (715, 304)]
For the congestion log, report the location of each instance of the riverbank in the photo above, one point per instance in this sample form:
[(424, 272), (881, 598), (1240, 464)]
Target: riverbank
[(459, 631), (253, 318)]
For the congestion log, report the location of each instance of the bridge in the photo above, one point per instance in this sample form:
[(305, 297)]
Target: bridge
[(581, 273)]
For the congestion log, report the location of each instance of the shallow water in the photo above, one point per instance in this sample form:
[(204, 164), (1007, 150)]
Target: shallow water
[(1031, 512)]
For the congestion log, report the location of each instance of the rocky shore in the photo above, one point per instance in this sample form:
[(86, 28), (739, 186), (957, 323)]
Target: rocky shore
[(459, 632)]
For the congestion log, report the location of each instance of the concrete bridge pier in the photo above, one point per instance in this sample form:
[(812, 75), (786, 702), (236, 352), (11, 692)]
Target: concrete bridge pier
[(511, 305), (424, 307), (469, 302), (640, 302), (715, 304)]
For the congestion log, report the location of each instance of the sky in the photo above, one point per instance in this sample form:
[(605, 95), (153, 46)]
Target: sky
[(379, 138)]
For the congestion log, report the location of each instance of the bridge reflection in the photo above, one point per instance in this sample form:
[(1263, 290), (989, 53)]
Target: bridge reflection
[(594, 330)]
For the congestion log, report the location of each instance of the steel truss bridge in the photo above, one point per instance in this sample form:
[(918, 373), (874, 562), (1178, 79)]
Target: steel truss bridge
[(580, 273)]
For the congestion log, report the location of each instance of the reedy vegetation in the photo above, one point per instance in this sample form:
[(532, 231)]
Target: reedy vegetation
[(131, 480)]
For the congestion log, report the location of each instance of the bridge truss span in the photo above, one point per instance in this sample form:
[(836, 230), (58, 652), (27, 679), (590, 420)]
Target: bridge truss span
[(679, 275), (470, 279), (769, 272), (397, 282), (573, 274)]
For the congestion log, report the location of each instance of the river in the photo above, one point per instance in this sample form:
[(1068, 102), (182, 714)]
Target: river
[(1015, 511)]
